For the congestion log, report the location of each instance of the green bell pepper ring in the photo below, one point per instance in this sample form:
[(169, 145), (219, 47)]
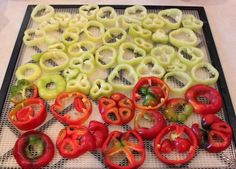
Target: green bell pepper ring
[(100, 88), (70, 73), (48, 92), (137, 12), (57, 46), (105, 57), (49, 25), (36, 57), (123, 73), (42, 12), (190, 55), (152, 22), (212, 73), (160, 36), (28, 71), (137, 31), (107, 16), (114, 37), (149, 66), (63, 18), (79, 48), (91, 27), (89, 11), (85, 63), (183, 37), (178, 82), (80, 84), (164, 54), (78, 21), (34, 37), (69, 38), (130, 53), (125, 21), (191, 22), (140, 42), (171, 17), (54, 61), (176, 65), (73, 29)]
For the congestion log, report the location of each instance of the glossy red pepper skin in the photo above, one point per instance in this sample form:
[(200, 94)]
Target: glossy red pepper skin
[(157, 90), (212, 95), (177, 131), (117, 105), (81, 103), (25, 116), (118, 142), (155, 118), (21, 145)]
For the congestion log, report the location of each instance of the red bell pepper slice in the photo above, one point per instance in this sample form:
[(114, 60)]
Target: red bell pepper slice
[(150, 93), (117, 110), (213, 104), (127, 146), (82, 106), (155, 118), (73, 141), (33, 149), (28, 114), (183, 139)]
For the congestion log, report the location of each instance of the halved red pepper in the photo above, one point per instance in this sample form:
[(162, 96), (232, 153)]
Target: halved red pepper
[(150, 93), (73, 141), (181, 137), (129, 146), (82, 105), (118, 109), (33, 149), (28, 114), (154, 117), (214, 100)]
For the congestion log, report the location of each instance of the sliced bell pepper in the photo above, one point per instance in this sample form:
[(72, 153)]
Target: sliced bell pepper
[(150, 93), (90, 28), (100, 88), (28, 71), (81, 104), (57, 46), (114, 37), (70, 73), (107, 16), (78, 20), (79, 48), (164, 54), (68, 38), (121, 145), (160, 36), (191, 22), (117, 110), (176, 65), (156, 119), (125, 21), (89, 11), (137, 12), (33, 149), (137, 31), (63, 18), (42, 13), (28, 114), (34, 37), (152, 22), (49, 25), (142, 43), (211, 99)]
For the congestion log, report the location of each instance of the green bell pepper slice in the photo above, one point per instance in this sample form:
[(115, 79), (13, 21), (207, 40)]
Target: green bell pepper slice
[(176, 65), (209, 79), (171, 17), (149, 66), (79, 48), (80, 84), (137, 31), (34, 37), (85, 63), (78, 20), (100, 88), (57, 46), (152, 22), (191, 22), (54, 61), (183, 37), (63, 18), (107, 16), (70, 73), (50, 86), (42, 12), (49, 25), (28, 71), (137, 12), (89, 11), (123, 77), (114, 37), (94, 31), (125, 21), (69, 38), (36, 57), (190, 55), (178, 82), (164, 54), (130, 53), (142, 43), (160, 36), (73, 29), (105, 57)]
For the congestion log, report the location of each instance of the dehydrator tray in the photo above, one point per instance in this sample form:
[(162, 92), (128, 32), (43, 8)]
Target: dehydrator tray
[(22, 54)]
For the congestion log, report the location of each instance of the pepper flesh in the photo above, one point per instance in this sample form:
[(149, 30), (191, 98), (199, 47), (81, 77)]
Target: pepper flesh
[(107, 16), (100, 88), (28, 71), (48, 12)]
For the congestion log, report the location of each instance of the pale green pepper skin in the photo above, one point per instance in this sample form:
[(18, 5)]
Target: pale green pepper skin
[(34, 68), (152, 22), (49, 25), (68, 38), (125, 22), (137, 31), (191, 22), (176, 65), (78, 21), (49, 12), (100, 88), (79, 48), (107, 16), (160, 36), (114, 37), (70, 73), (89, 11), (57, 46), (137, 12), (38, 38), (142, 43), (89, 35), (63, 19)]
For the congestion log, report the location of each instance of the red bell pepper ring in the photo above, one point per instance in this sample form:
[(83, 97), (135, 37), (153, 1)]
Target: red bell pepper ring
[(122, 145), (154, 117), (82, 105), (183, 139), (73, 141), (28, 114), (33, 149), (214, 103), (117, 110), (150, 93)]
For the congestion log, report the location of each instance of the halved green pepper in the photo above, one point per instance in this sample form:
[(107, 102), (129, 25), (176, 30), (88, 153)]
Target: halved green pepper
[(63, 18), (70, 73), (89, 31), (152, 22), (142, 43), (100, 88), (28, 71), (160, 36), (191, 22), (114, 37), (138, 12), (89, 11), (79, 48), (34, 37), (137, 31), (107, 16), (78, 20)]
